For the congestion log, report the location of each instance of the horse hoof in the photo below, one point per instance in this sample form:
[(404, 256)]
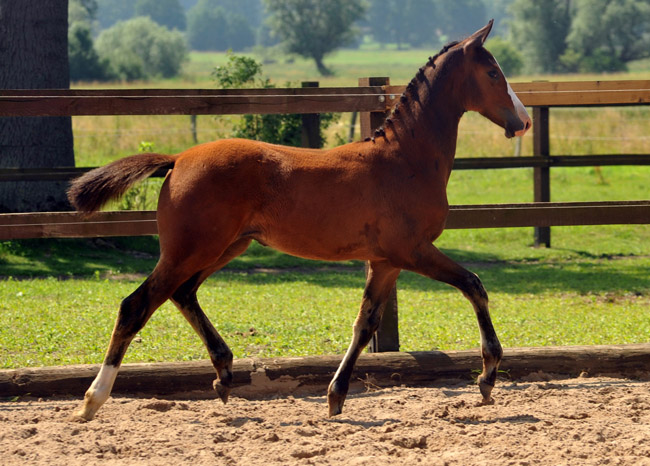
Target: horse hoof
[(80, 416), (221, 390), (486, 402), (486, 383), (335, 402), (335, 408)]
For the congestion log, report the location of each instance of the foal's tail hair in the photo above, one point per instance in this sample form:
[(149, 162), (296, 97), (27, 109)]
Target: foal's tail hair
[(91, 191)]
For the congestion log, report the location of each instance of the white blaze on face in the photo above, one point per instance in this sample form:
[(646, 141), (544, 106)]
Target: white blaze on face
[(519, 108)]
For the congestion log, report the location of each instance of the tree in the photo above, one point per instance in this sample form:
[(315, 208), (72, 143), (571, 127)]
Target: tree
[(314, 28), (82, 11), (460, 18), (499, 10), (509, 58), (167, 13), (34, 55), (140, 48), (605, 34), (110, 12), (240, 33), (540, 28), (421, 23), (209, 27), (85, 64), (404, 22)]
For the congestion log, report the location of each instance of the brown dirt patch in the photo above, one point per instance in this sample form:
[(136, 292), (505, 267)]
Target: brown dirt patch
[(584, 421)]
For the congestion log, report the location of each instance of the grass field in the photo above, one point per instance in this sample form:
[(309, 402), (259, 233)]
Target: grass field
[(591, 287)]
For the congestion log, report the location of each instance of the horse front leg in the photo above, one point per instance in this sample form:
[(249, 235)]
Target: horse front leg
[(434, 264), (379, 283)]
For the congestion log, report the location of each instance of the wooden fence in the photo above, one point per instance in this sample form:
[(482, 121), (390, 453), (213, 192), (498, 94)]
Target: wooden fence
[(374, 97)]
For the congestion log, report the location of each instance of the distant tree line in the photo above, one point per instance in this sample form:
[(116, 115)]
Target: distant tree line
[(127, 39), (580, 35)]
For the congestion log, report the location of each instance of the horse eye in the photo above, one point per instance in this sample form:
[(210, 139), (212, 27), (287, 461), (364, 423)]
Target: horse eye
[(493, 74)]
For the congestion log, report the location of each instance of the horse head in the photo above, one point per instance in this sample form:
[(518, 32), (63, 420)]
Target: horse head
[(487, 90)]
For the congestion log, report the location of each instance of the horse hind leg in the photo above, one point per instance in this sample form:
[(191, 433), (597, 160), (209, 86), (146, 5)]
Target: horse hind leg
[(186, 301), (379, 284), (135, 311)]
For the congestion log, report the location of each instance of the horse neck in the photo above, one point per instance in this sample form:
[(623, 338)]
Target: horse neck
[(425, 123)]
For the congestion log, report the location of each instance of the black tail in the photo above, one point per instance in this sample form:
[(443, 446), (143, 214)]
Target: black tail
[(91, 191)]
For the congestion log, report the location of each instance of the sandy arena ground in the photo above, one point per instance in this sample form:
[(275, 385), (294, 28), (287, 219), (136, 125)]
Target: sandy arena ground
[(582, 421)]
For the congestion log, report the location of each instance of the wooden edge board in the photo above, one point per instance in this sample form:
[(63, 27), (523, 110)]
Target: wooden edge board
[(260, 377)]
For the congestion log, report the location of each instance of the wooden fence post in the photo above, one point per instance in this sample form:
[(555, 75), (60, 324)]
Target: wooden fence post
[(541, 175), (310, 124), (387, 337), (193, 129)]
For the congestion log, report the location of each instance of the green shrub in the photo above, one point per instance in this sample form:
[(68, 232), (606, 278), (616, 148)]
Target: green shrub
[(599, 61), (242, 72), (168, 13), (507, 55), (85, 64), (140, 49)]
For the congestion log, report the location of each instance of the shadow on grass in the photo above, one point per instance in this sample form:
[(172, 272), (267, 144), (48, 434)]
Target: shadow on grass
[(583, 276), (77, 257), (86, 257)]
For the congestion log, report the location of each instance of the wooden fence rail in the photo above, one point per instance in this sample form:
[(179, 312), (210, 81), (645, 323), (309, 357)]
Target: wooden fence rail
[(374, 98), (143, 222)]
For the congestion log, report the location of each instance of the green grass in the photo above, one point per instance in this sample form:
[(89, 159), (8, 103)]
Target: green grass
[(49, 322), (349, 65)]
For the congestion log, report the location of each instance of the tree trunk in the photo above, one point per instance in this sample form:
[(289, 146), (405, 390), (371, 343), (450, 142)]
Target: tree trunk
[(322, 69), (34, 55)]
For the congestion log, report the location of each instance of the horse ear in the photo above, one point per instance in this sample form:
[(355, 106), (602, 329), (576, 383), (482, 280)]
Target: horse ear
[(478, 38)]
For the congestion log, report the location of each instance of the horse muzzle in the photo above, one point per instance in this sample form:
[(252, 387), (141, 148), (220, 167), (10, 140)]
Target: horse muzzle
[(517, 125)]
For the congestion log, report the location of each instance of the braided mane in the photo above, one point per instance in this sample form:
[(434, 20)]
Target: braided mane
[(411, 88)]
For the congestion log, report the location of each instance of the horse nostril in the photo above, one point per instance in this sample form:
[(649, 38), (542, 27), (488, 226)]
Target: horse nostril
[(527, 125)]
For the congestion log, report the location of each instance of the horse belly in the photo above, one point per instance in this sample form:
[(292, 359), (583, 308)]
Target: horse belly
[(320, 229), (321, 241)]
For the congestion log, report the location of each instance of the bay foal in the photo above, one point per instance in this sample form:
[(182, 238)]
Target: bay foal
[(382, 200)]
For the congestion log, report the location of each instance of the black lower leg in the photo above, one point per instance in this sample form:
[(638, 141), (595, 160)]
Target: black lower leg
[(221, 356)]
